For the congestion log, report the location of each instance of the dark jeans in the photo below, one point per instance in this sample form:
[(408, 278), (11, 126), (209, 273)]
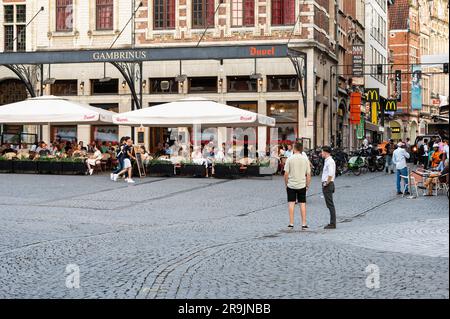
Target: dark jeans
[(118, 169), (328, 194)]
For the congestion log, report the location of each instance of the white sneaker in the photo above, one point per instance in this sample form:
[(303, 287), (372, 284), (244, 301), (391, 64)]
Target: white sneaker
[(130, 181), (115, 177), (91, 171), (112, 176)]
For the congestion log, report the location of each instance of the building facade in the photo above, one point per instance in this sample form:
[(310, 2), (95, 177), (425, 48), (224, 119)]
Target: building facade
[(418, 32), (308, 26), (350, 34)]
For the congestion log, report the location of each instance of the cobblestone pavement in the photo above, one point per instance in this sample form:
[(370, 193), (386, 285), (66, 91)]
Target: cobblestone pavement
[(209, 238)]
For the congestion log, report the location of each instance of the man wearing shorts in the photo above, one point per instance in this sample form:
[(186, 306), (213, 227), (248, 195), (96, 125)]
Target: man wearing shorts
[(297, 176)]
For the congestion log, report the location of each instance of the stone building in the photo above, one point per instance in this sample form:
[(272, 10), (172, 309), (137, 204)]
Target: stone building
[(308, 26), (418, 31)]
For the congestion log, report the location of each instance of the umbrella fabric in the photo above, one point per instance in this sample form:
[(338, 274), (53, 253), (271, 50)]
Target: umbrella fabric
[(53, 110), (192, 111)]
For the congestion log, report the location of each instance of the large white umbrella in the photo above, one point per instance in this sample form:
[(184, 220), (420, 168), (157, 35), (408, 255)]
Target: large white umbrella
[(193, 111), (54, 110)]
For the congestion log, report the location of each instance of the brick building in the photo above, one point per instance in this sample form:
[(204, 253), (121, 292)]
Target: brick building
[(417, 29), (309, 26)]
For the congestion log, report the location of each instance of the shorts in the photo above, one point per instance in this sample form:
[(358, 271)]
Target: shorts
[(126, 163), (296, 195)]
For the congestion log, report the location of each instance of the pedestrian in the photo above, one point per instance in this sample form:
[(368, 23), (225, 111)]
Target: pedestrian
[(120, 156), (127, 167), (446, 149), (328, 176), (297, 177), (423, 151), (399, 159), (389, 151)]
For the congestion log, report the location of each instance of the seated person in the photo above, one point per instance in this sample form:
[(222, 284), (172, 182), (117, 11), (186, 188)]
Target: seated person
[(197, 157), (7, 149), (179, 158), (434, 177), (93, 160), (435, 156)]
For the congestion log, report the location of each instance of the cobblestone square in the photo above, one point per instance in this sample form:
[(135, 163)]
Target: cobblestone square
[(211, 238)]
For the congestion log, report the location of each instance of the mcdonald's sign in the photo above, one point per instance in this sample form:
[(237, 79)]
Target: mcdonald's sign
[(372, 95), (391, 105)]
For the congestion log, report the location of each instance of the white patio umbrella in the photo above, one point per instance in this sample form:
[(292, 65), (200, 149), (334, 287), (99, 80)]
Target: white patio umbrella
[(53, 110), (193, 111)]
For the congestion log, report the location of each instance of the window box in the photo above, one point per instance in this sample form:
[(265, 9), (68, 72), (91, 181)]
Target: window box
[(191, 169), (227, 170)]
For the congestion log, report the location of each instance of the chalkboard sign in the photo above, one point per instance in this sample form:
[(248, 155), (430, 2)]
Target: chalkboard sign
[(140, 137), (140, 164)]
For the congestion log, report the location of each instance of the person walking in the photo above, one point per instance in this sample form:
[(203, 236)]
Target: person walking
[(328, 176), (297, 177), (424, 153), (399, 159), (127, 167), (389, 151)]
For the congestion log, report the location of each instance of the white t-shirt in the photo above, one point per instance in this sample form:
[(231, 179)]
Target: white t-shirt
[(329, 169)]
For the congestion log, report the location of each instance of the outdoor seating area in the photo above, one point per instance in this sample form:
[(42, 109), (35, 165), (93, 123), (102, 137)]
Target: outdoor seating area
[(72, 157)]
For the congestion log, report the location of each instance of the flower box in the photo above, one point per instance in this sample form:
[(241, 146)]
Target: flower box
[(25, 166), (193, 170), (161, 169), (227, 171), (49, 167), (6, 166), (259, 171), (73, 167)]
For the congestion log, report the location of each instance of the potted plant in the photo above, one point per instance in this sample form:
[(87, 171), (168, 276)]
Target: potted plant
[(73, 166), (189, 168), (49, 165), (227, 170), (259, 169), (25, 165), (161, 168), (6, 166)]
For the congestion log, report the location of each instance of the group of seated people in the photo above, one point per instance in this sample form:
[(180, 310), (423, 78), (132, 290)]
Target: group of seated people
[(93, 153), (431, 178)]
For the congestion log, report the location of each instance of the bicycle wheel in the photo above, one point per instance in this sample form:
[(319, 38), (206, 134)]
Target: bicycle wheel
[(357, 171)]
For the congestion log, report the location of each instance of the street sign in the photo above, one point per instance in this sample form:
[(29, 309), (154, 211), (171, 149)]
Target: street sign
[(360, 129), (372, 94), (398, 85), (390, 106), (358, 60)]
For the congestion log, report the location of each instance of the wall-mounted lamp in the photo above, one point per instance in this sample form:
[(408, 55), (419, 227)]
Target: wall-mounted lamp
[(144, 84), (49, 81), (124, 84), (260, 82), (82, 86), (220, 82)]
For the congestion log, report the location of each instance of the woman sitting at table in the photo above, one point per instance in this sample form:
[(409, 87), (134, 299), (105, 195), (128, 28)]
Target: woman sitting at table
[(94, 159), (434, 177)]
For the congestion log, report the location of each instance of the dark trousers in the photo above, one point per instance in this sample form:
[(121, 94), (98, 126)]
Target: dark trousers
[(328, 194)]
